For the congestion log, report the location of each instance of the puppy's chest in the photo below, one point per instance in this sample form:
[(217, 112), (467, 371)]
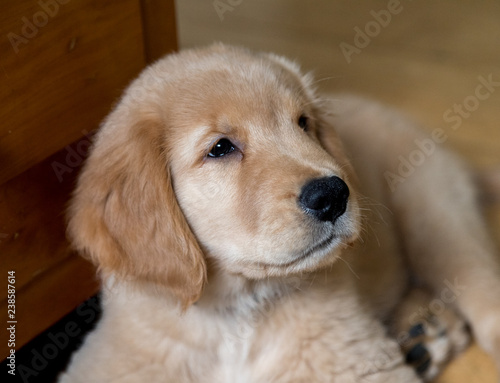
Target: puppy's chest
[(247, 345), (276, 339), (235, 337)]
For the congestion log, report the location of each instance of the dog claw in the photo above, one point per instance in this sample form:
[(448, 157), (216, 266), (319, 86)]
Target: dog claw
[(419, 357), (423, 367)]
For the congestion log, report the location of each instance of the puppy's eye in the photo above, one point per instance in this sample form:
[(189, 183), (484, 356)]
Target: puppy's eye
[(221, 148), (303, 122)]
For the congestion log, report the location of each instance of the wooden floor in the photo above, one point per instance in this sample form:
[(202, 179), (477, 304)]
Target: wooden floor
[(428, 57)]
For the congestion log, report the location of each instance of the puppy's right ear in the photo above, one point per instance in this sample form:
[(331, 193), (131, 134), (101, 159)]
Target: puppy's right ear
[(124, 214)]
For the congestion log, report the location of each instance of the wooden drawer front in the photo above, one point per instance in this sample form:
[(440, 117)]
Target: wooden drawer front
[(63, 64), (50, 280)]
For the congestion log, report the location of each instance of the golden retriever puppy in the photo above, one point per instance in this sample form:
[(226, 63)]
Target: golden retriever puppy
[(248, 231)]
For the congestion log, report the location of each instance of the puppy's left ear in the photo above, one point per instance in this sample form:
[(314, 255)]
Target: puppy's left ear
[(124, 215)]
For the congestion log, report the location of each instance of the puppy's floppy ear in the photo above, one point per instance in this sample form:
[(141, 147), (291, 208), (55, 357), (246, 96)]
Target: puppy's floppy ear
[(124, 215)]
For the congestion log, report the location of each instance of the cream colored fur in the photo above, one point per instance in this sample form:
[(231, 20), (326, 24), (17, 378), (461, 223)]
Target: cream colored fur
[(209, 267)]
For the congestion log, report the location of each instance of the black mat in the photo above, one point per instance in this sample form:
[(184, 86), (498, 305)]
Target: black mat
[(41, 360)]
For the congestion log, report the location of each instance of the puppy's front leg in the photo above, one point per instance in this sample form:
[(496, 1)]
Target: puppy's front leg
[(448, 244), (369, 356), (373, 361), (327, 336)]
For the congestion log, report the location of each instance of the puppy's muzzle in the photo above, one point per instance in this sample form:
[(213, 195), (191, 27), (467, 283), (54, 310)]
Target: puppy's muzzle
[(324, 198)]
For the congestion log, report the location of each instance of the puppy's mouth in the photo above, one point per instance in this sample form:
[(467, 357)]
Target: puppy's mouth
[(323, 245), (316, 248)]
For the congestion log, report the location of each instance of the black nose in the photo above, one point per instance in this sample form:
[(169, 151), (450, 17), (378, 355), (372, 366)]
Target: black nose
[(324, 198)]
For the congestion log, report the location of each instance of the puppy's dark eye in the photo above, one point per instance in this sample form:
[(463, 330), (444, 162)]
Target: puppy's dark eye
[(221, 148), (303, 122)]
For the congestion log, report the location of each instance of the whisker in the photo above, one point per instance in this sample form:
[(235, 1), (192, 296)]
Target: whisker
[(349, 267)]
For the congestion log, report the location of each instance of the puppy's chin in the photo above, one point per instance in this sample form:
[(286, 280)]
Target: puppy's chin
[(320, 249), (314, 259)]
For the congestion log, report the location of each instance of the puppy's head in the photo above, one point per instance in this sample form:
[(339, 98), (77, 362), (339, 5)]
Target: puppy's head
[(215, 155)]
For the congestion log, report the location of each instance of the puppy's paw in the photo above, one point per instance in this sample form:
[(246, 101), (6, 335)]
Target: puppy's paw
[(435, 341), (428, 337)]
